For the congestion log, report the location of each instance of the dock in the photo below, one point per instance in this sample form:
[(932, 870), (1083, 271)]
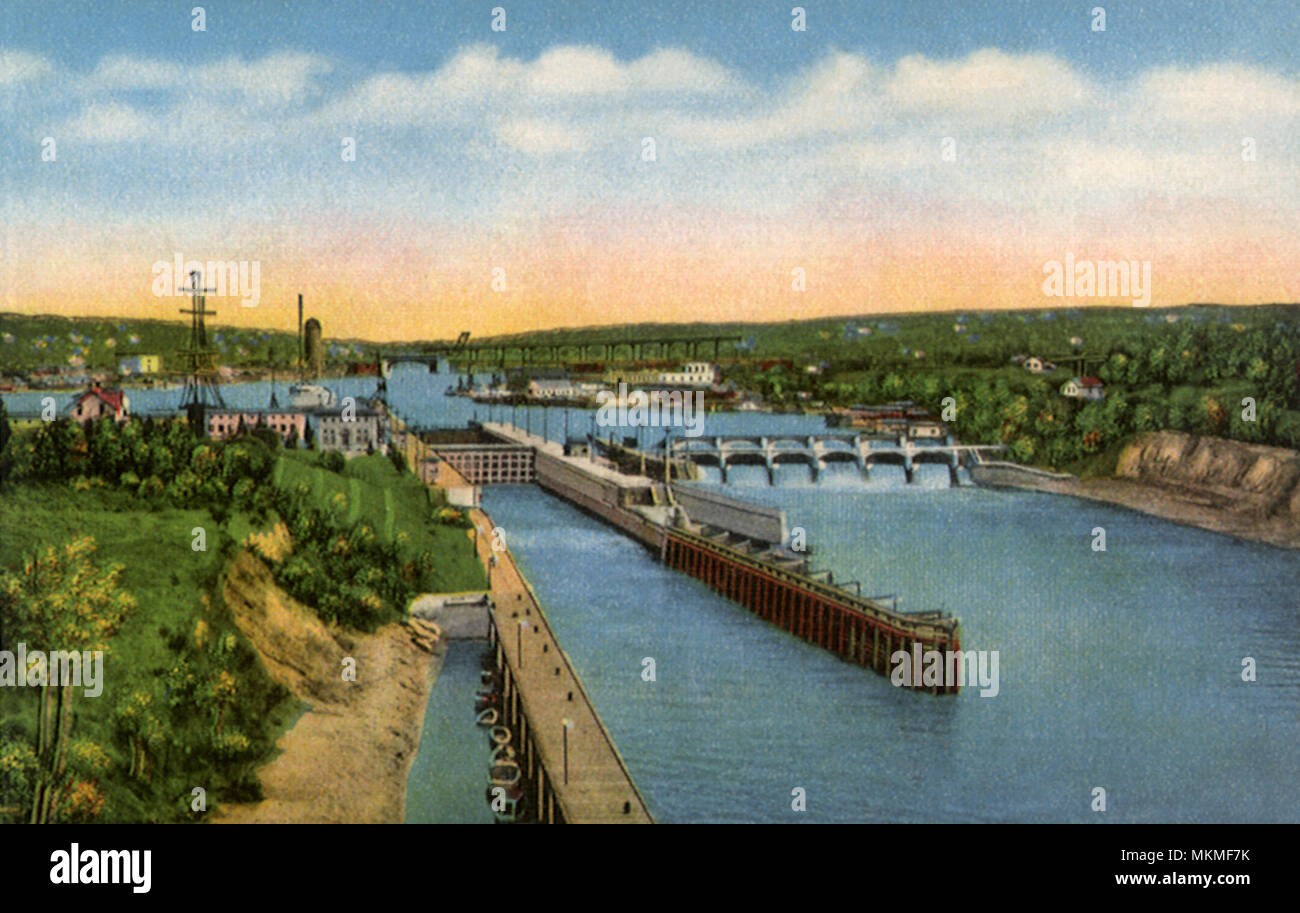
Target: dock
[(575, 771)]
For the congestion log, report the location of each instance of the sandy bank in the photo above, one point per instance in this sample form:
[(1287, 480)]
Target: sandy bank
[(347, 758), (1243, 490)]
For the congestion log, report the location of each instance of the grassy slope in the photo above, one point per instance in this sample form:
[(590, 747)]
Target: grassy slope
[(392, 504), (160, 569)]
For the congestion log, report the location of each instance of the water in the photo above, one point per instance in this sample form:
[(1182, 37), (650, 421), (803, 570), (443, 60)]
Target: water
[(449, 775), (1118, 669)]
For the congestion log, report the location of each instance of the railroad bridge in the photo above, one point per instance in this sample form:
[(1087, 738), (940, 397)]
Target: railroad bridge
[(816, 450), (541, 352)]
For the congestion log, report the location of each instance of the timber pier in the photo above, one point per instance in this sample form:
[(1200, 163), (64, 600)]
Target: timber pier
[(569, 759)]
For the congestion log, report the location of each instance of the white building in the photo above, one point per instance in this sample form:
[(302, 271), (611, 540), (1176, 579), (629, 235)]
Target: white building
[(1090, 388), (351, 430), (695, 374), (554, 389)]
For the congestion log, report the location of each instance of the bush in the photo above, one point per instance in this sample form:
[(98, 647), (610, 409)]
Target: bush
[(333, 461)]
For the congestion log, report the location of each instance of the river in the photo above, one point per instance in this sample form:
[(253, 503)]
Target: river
[(1118, 669)]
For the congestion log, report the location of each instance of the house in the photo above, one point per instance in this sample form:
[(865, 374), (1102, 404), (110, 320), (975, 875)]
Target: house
[(1084, 388), (1034, 365), (351, 429), (97, 402), (220, 424), (140, 364)]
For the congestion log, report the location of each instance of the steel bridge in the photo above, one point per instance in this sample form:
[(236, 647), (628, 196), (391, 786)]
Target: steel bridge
[(542, 353)]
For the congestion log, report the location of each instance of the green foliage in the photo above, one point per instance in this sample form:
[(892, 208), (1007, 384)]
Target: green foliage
[(333, 461), (175, 588)]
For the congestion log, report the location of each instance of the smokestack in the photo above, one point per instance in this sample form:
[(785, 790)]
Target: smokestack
[(300, 329)]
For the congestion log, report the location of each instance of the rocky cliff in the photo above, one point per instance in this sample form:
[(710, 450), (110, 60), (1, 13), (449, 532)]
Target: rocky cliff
[(1248, 479)]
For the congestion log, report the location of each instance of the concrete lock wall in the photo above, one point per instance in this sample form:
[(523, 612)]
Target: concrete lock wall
[(997, 473), (762, 524), (461, 616), (556, 473)]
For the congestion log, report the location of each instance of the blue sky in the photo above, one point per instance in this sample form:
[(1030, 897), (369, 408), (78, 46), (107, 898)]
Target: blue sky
[(752, 36), (917, 153)]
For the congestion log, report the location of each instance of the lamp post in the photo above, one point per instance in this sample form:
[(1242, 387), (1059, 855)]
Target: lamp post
[(566, 725)]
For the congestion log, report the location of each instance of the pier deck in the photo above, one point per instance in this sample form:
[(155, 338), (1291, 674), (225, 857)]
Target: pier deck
[(599, 789)]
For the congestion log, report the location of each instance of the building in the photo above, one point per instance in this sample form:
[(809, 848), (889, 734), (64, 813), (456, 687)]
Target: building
[(97, 402), (220, 424), (140, 364), (1090, 388), (1034, 365), (554, 389), (899, 419), (351, 430), (641, 377), (695, 374)]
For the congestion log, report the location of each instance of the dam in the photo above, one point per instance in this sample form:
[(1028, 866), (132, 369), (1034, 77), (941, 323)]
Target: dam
[(817, 450), (738, 550)]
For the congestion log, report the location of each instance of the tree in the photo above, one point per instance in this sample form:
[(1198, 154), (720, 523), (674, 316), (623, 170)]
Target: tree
[(5, 434), (61, 598), (52, 459), (397, 458), (333, 461)]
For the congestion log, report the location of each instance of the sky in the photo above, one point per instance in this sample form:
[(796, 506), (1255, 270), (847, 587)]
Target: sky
[(414, 172)]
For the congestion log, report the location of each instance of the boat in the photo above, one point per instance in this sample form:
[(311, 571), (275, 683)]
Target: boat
[(311, 396), (489, 717), (505, 773)]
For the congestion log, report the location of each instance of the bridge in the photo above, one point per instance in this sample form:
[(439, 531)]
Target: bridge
[(817, 450), (542, 353)]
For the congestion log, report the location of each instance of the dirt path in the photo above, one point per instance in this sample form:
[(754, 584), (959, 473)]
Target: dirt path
[(346, 760)]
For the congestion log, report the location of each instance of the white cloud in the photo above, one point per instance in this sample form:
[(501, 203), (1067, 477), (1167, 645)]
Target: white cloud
[(538, 137), (989, 83), (18, 67), (111, 122), (1028, 128), (122, 71), (478, 76), (1217, 92), (276, 78), (281, 77)]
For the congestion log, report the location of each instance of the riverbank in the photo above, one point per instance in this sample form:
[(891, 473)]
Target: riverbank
[(1248, 491), (347, 758)]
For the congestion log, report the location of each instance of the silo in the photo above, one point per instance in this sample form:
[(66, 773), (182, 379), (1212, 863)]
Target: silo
[(315, 348)]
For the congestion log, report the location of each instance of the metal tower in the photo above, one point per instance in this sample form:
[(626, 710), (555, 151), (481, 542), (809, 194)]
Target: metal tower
[(201, 389)]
